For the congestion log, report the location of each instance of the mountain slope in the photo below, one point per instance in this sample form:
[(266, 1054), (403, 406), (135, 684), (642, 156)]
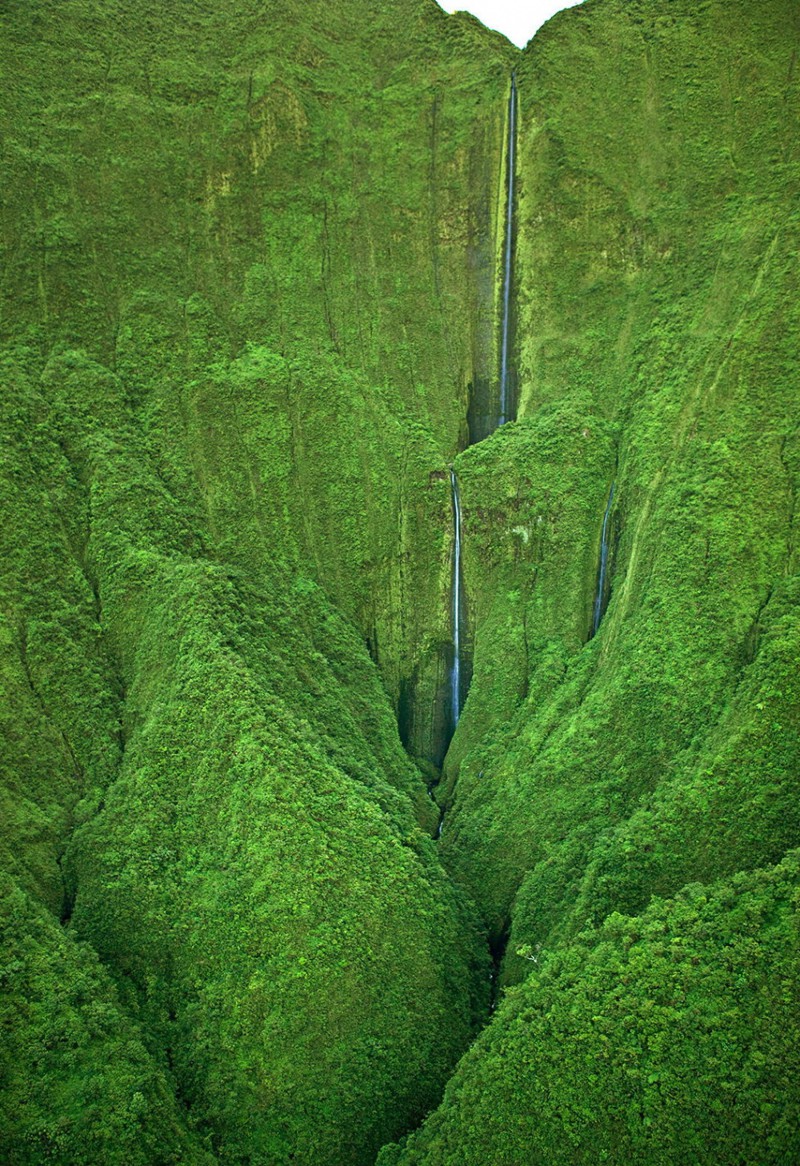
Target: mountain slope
[(239, 244), (250, 292), (594, 775)]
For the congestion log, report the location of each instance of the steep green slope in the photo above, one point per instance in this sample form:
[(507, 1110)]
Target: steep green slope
[(288, 180), (78, 1084), (669, 368), (658, 325), (668, 1037), (249, 289), (239, 244)]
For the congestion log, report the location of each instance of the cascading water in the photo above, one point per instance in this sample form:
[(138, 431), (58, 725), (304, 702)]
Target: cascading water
[(488, 410), (508, 252), (458, 681), (599, 599), (457, 604)]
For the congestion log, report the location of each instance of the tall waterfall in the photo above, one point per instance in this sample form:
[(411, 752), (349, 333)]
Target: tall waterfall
[(597, 615), (488, 419), (457, 604), (505, 403)]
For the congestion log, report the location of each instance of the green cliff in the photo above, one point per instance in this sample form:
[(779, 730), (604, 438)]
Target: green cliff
[(249, 308)]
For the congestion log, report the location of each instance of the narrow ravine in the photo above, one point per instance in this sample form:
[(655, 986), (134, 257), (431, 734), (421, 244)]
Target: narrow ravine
[(601, 594), (502, 410)]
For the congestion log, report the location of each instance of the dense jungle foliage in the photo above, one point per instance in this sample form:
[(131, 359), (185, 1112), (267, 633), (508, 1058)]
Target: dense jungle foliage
[(249, 299)]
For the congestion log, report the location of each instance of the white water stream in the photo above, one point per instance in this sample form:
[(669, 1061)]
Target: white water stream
[(508, 253)]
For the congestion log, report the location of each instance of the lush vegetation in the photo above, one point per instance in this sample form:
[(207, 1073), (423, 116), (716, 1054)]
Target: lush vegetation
[(667, 1037), (235, 364), (249, 291), (658, 350)]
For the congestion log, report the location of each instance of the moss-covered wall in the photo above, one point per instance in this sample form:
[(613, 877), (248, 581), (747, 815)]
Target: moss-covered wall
[(243, 246), (657, 346), (250, 287), (675, 378)]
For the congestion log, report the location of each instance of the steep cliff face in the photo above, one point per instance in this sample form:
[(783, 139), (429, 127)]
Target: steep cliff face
[(657, 347), (243, 247), (251, 290), (274, 227), (657, 336)]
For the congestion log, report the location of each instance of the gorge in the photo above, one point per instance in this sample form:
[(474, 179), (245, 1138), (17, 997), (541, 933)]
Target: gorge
[(353, 362)]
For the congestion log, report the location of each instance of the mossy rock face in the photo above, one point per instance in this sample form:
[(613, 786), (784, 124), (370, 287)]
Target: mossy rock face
[(657, 316), (279, 233), (243, 250), (250, 318)]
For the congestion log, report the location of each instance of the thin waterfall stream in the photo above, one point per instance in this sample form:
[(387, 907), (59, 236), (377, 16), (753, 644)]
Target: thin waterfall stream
[(508, 253), (458, 677), (504, 414), (600, 601)]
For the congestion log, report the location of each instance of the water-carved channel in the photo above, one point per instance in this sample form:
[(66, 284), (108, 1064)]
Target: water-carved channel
[(492, 395), (427, 721), (503, 410), (602, 593)]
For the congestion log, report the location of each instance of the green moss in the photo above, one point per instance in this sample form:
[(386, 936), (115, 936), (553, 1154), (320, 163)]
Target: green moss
[(249, 292), (683, 347), (240, 247)]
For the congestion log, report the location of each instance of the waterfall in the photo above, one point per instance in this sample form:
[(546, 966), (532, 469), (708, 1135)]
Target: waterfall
[(455, 673), (457, 683), (486, 418), (601, 577), (508, 251)]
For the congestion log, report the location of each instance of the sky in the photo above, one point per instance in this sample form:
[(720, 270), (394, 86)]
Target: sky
[(518, 19)]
